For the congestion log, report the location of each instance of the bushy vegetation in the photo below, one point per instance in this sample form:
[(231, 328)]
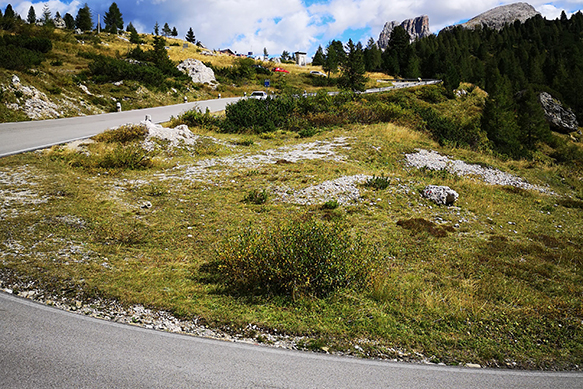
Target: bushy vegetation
[(300, 258), (21, 52), (124, 134)]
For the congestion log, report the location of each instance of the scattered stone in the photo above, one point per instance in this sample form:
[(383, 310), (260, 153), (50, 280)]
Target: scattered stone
[(434, 161), (440, 195), (560, 119)]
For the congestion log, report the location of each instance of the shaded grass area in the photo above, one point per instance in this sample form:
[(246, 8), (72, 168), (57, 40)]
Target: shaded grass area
[(502, 288)]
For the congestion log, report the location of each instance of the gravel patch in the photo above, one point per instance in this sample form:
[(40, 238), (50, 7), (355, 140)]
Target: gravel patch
[(344, 190), (435, 161)]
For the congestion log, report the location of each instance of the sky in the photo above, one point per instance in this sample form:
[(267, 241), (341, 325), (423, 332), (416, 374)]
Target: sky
[(277, 25)]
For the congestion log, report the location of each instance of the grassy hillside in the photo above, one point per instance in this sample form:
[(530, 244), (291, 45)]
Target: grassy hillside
[(65, 70), (214, 227)]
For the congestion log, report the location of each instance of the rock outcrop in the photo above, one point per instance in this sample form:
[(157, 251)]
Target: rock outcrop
[(34, 103), (440, 195), (417, 28), (498, 17), (560, 119), (198, 72)]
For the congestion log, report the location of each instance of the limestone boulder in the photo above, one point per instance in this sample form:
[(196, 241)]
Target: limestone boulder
[(440, 195), (198, 72), (561, 119)]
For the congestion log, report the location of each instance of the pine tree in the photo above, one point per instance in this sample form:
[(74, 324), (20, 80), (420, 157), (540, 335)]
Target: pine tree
[(9, 12), (156, 28), (353, 68), (113, 19), (130, 27), (31, 18), (531, 119), (47, 19), (319, 59), (83, 21), (372, 56), (166, 31), (334, 57), (190, 36), (174, 32), (134, 36), (69, 21)]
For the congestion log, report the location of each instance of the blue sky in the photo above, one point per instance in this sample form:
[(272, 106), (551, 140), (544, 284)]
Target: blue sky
[(292, 25)]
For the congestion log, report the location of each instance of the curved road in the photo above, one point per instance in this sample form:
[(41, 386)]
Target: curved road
[(19, 137), (43, 347)]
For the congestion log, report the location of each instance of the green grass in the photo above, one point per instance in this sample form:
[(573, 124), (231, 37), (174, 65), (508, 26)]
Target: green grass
[(495, 280)]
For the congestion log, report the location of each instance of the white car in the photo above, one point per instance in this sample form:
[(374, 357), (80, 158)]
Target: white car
[(258, 95), (317, 73)]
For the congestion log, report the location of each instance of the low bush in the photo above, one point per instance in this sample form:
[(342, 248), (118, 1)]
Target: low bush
[(300, 258), (124, 134), (376, 182), (194, 118), (256, 196)]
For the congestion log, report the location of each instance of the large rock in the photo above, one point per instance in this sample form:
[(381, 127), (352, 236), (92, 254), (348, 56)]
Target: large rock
[(440, 195), (198, 72), (416, 28), (498, 17), (560, 119)]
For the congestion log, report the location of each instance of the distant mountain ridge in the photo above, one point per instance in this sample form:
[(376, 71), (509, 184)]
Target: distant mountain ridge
[(498, 17), (416, 28)]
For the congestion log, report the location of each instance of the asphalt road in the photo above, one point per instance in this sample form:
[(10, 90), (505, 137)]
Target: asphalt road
[(43, 347), (28, 136), (20, 137)]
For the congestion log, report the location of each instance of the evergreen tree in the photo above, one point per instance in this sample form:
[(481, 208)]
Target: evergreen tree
[(372, 56), (174, 32), (531, 119), (265, 53), (190, 36), (134, 36), (9, 12), (69, 21), (156, 28), (130, 27), (166, 31), (83, 21), (113, 19), (319, 58), (498, 118), (31, 18), (353, 68), (334, 57), (396, 55), (285, 55), (47, 18)]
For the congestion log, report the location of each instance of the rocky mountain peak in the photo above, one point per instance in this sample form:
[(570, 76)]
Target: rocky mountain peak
[(417, 28), (497, 17)]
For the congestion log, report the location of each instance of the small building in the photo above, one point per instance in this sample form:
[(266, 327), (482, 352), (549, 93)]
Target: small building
[(227, 52), (300, 58)]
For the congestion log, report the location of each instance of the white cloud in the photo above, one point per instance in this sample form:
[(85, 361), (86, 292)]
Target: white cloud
[(246, 25)]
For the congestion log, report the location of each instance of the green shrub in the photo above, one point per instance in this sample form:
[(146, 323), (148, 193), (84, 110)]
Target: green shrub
[(376, 182), (256, 196), (307, 257), (194, 118), (331, 204), (124, 134)]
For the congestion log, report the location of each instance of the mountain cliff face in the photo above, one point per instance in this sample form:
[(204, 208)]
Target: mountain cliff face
[(497, 17), (417, 28)]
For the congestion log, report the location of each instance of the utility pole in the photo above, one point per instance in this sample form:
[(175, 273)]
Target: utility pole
[(98, 24)]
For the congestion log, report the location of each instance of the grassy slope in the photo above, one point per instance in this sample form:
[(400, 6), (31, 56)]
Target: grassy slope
[(502, 290), (55, 77)]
